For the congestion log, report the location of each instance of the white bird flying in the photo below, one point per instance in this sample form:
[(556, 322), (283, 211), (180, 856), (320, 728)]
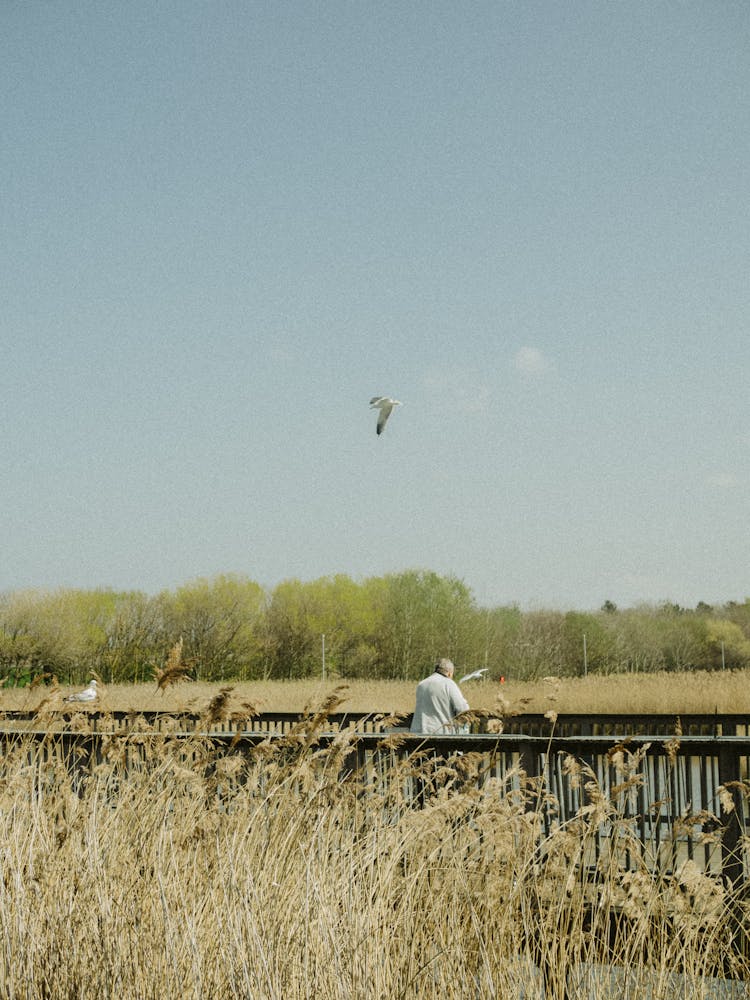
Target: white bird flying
[(88, 694), (474, 675), (385, 404)]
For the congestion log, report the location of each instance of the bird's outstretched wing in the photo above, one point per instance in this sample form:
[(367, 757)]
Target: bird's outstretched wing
[(474, 675), (385, 412), (385, 404)]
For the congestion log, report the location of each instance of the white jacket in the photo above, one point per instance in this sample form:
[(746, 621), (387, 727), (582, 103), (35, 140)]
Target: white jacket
[(439, 701)]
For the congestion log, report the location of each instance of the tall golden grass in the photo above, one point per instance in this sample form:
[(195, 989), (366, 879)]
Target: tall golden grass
[(172, 869), (668, 693)]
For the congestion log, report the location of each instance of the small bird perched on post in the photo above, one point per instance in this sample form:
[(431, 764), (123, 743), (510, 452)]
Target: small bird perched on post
[(385, 404), (88, 694)]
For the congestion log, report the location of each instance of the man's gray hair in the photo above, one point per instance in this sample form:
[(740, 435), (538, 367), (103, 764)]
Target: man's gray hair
[(445, 667)]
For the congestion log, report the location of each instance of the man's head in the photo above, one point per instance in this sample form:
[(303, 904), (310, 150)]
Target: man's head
[(445, 667)]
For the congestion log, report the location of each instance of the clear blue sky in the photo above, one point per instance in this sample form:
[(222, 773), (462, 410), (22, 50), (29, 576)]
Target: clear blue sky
[(227, 225)]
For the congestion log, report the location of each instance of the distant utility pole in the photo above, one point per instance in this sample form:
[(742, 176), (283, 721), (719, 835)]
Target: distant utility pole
[(585, 658), (323, 649), (486, 637)]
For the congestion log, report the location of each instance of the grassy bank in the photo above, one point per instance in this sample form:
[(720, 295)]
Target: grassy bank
[(699, 691)]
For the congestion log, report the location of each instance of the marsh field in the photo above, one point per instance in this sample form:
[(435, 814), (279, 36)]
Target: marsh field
[(270, 875), (667, 692)]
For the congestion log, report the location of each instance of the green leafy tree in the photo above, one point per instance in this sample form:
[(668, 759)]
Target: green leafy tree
[(494, 638), (292, 645), (727, 645), (425, 616), (347, 613), (220, 623), (588, 643), (60, 632), (135, 638), (739, 614), (539, 647)]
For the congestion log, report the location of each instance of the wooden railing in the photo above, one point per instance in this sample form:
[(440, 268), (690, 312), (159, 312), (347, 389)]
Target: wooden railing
[(161, 721), (669, 790), (564, 724), (687, 802)]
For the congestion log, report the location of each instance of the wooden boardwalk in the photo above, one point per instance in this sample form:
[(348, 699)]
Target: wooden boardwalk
[(647, 793), (611, 724), (689, 801)]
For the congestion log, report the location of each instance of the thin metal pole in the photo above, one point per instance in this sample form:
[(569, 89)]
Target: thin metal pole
[(585, 658)]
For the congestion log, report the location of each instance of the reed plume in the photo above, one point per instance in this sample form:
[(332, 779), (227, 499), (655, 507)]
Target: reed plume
[(174, 671)]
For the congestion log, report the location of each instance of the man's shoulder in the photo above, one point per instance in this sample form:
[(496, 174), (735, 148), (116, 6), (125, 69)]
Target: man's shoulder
[(432, 680)]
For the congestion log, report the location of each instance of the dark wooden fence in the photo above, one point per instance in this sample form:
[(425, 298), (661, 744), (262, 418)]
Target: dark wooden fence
[(670, 790), (614, 724), (689, 801)]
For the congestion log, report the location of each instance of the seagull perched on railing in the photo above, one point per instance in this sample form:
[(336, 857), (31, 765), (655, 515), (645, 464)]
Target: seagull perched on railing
[(385, 404), (88, 694), (474, 675)]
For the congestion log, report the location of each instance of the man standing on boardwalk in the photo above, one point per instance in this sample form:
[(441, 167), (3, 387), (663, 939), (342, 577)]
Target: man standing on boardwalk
[(439, 701)]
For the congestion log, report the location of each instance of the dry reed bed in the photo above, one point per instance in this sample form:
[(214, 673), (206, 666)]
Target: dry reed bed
[(174, 869), (693, 692)]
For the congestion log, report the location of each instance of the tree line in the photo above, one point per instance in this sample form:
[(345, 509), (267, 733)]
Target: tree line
[(392, 627)]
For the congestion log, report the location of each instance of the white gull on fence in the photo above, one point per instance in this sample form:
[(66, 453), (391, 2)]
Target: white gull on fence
[(88, 694)]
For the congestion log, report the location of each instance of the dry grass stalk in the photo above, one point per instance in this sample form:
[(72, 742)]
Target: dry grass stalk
[(173, 868), (218, 710), (174, 671), (51, 703)]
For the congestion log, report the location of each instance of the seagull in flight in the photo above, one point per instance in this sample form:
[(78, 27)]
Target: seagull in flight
[(385, 404), (474, 675), (88, 694)]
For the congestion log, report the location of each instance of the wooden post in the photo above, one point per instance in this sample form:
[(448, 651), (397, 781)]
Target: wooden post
[(732, 866), (732, 862), (529, 762)]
